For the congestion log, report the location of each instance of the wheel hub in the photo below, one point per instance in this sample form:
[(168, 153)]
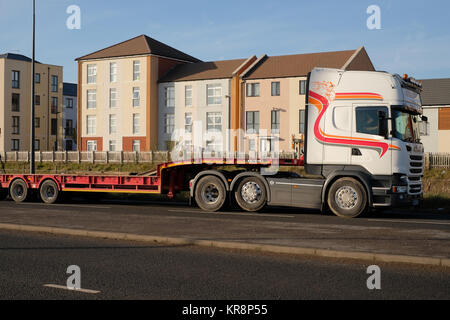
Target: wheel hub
[(210, 193), (251, 192), (346, 197)]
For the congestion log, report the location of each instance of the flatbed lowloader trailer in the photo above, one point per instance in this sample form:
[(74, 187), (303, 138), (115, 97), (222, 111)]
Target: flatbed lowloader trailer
[(361, 141)]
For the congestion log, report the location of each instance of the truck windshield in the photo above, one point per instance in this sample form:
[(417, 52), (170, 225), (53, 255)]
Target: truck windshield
[(405, 126)]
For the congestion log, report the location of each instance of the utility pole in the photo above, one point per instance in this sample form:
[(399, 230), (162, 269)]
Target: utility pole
[(33, 80)]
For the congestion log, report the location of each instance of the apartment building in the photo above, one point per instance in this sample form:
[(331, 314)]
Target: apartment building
[(118, 94), (69, 120), (275, 94), (15, 104), (197, 102), (435, 134)]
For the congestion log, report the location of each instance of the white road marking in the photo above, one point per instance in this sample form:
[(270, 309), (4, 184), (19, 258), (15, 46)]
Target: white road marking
[(69, 289), (235, 213), (416, 222)]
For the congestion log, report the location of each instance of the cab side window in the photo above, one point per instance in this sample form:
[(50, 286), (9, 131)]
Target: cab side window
[(368, 120)]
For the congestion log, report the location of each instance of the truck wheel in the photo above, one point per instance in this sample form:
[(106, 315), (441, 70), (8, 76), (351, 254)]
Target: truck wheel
[(210, 193), (347, 198), (49, 192), (18, 190), (251, 194)]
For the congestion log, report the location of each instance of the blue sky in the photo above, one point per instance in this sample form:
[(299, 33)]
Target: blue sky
[(414, 36)]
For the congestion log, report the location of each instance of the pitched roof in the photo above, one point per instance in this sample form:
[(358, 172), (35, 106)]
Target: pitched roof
[(298, 64), (203, 70), (69, 89), (15, 56), (436, 92), (138, 46)]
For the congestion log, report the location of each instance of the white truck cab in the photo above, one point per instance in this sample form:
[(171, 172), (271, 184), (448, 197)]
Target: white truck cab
[(364, 125)]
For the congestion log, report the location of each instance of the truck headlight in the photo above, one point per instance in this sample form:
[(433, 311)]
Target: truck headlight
[(399, 189)]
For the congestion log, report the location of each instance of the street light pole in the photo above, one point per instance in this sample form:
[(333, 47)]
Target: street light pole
[(32, 159)]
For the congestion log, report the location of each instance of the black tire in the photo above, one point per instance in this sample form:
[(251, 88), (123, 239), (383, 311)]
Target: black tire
[(210, 193), (49, 192), (251, 194), (18, 191), (347, 198)]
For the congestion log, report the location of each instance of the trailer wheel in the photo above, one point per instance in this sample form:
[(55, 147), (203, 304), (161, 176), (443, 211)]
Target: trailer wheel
[(210, 193), (18, 190), (251, 194), (49, 192), (347, 198)]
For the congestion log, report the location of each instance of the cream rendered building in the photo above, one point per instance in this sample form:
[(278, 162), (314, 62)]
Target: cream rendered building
[(15, 104), (196, 103), (118, 94)]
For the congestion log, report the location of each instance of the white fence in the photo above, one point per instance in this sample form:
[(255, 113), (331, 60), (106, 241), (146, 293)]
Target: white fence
[(437, 160), (133, 157)]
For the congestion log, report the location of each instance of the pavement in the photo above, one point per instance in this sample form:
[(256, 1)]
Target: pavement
[(409, 237), (34, 266)]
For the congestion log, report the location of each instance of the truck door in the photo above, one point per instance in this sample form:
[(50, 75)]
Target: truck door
[(371, 150)]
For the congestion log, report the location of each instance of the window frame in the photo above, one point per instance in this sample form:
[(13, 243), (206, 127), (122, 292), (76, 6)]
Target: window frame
[(213, 127), (113, 75), (54, 84), (273, 123), (277, 88), (255, 126), (136, 74), (91, 78), (250, 89), (216, 98), (91, 104), (15, 81), (93, 120), (15, 125), (136, 100), (17, 109)]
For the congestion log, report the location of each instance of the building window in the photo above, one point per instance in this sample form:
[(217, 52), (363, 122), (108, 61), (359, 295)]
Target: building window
[(136, 97), (37, 122), (16, 79), (188, 96), (15, 125), (37, 100), (91, 73), (113, 72), (267, 145), (301, 121), (136, 70), (275, 120), (113, 98), (37, 78), (136, 118), (188, 122), (169, 95), (54, 127), (275, 88), (37, 145), (252, 121), (302, 86), (253, 89), (92, 99), (214, 122), (54, 83), (69, 145), (15, 103), (91, 145), (136, 145), (69, 128), (251, 145), (112, 145), (69, 103), (15, 144), (112, 124), (169, 123), (54, 105), (91, 127), (214, 93)]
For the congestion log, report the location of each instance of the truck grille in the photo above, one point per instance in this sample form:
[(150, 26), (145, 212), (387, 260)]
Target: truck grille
[(415, 179)]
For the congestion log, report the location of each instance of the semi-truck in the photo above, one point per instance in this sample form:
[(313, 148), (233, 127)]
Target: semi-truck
[(361, 150)]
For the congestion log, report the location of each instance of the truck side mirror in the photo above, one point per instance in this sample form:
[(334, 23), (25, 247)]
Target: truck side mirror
[(382, 124), (424, 118)]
